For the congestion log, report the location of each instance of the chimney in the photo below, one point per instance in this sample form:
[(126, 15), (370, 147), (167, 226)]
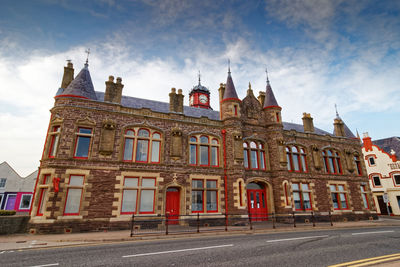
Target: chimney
[(367, 142), (221, 91), (338, 127), (261, 98), (179, 96), (113, 90), (172, 100), (308, 122), (68, 75)]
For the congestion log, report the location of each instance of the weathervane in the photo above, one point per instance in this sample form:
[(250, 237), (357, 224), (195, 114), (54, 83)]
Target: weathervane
[(87, 51), (266, 71), (337, 113), (199, 77)]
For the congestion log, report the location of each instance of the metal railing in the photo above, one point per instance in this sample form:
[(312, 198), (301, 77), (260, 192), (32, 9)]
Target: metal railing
[(196, 223)]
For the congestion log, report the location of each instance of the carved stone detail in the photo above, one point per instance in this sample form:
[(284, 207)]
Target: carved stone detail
[(107, 137), (176, 143), (316, 156)]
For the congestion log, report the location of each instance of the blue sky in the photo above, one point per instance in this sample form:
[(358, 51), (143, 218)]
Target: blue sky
[(318, 53)]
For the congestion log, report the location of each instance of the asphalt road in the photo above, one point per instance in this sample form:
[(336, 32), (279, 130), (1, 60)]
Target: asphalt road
[(311, 248)]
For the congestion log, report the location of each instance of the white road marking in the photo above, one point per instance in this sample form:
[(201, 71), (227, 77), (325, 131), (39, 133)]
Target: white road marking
[(376, 232), (4, 251), (296, 238), (174, 251), (44, 265)]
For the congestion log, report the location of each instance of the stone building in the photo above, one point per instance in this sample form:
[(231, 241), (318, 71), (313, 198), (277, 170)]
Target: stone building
[(108, 156), (383, 169)]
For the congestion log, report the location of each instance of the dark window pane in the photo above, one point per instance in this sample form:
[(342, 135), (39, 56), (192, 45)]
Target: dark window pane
[(82, 147)]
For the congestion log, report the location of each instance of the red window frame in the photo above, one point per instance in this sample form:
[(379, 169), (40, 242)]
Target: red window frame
[(202, 193), (207, 145), (197, 144), (393, 174), (337, 193), (367, 158), (42, 194), (259, 150), (55, 134), (159, 148), (148, 189), (129, 137), (332, 157), (299, 156), (80, 200), (78, 135), (137, 195), (301, 192), (140, 138)]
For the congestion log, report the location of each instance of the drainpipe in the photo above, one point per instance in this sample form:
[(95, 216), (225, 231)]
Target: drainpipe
[(225, 170)]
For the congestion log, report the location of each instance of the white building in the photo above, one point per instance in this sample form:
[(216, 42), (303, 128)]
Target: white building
[(383, 169)]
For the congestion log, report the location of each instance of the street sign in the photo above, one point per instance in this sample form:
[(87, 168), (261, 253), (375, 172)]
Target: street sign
[(385, 198)]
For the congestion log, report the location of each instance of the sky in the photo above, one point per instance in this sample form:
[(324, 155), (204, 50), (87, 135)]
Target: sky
[(318, 53)]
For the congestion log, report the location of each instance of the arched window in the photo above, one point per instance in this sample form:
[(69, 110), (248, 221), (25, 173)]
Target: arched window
[(142, 145), (296, 158), (203, 151), (332, 162), (254, 155)]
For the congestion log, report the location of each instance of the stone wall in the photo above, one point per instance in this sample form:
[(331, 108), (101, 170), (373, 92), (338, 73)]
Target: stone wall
[(13, 224)]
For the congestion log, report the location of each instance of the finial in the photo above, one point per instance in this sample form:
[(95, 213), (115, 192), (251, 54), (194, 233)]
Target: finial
[(199, 78), (87, 51), (68, 60), (249, 85), (229, 66), (266, 72), (337, 113)]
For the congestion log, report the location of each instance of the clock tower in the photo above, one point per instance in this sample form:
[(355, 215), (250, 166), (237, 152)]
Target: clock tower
[(199, 96)]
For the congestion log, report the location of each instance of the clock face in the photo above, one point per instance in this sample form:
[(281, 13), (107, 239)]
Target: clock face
[(203, 99)]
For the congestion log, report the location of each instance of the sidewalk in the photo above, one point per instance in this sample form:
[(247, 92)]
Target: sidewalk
[(29, 241)]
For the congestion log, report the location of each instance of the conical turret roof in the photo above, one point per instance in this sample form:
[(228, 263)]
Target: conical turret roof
[(270, 100), (81, 86), (230, 91)]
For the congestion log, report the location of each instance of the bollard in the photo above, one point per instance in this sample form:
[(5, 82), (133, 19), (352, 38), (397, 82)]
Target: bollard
[(251, 225), (294, 220), (166, 224), (226, 222), (273, 220), (330, 218), (313, 219), (132, 224), (198, 222)]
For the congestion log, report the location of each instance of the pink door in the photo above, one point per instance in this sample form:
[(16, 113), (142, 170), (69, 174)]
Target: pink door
[(172, 205)]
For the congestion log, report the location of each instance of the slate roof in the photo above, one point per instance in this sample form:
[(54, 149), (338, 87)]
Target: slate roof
[(269, 97), (81, 86), (230, 91), (163, 107), (387, 144), (299, 128)]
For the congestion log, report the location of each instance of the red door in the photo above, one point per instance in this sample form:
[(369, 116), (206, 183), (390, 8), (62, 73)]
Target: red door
[(257, 204), (172, 205)]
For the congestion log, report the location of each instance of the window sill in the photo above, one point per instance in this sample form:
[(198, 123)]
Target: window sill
[(70, 217)]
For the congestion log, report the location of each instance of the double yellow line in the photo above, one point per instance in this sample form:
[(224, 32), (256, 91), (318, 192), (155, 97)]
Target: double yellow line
[(370, 261)]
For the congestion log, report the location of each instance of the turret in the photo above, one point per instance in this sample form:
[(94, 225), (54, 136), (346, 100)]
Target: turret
[(199, 96), (271, 108), (230, 103), (340, 128)]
